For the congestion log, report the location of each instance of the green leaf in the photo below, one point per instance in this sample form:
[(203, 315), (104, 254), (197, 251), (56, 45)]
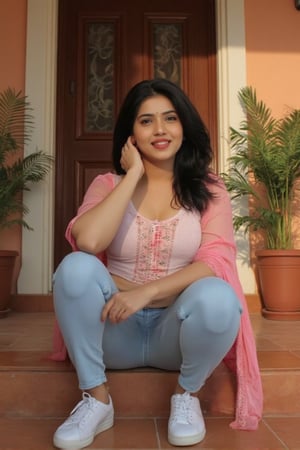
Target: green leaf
[(17, 174), (264, 165)]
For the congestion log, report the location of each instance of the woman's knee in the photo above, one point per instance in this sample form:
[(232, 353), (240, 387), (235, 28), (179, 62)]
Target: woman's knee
[(76, 272), (215, 304)]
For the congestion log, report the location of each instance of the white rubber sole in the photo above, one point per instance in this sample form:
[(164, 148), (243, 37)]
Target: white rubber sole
[(77, 445), (181, 441)]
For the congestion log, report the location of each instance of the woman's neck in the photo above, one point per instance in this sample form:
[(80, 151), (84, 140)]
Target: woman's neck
[(158, 173)]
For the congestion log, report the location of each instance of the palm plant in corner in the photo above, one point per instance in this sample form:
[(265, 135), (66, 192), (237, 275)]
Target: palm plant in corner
[(264, 166), (17, 174)]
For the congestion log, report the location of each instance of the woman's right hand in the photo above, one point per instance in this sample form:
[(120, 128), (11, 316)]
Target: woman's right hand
[(131, 158), (95, 229)]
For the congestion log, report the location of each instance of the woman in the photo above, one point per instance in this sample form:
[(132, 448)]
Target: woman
[(153, 280)]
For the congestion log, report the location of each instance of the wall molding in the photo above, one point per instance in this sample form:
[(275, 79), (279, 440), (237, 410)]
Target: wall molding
[(40, 87)]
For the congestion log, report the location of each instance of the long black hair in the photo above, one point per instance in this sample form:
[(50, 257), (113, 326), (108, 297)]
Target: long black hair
[(192, 161)]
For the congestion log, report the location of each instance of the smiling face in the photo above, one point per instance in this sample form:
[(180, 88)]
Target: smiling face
[(157, 130)]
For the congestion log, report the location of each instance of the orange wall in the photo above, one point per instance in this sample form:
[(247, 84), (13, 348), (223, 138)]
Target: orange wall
[(12, 73), (273, 52), (12, 43), (273, 59)]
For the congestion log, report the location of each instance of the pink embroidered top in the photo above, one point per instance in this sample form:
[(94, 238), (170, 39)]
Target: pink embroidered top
[(212, 243), (145, 250)]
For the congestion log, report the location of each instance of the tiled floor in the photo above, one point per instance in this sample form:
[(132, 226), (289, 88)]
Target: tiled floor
[(278, 345)]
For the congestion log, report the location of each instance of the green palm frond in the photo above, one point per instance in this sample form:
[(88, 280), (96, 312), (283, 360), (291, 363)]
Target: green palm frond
[(16, 122), (238, 184), (17, 174), (268, 149)]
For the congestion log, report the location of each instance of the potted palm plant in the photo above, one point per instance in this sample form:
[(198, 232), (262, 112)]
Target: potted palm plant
[(265, 167), (17, 174)]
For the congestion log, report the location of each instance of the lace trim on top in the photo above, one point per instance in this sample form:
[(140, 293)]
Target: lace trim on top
[(154, 248)]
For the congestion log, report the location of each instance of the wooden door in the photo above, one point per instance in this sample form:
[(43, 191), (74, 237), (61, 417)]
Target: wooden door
[(103, 49)]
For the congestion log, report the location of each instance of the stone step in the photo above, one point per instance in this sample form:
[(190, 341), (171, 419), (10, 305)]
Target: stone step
[(37, 393), (33, 385)]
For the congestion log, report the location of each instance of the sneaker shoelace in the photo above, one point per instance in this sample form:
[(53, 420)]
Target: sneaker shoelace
[(182, 412), (82, 410)]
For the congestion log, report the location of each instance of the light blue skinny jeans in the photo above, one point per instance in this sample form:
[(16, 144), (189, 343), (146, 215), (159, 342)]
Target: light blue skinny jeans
[(191, 336)]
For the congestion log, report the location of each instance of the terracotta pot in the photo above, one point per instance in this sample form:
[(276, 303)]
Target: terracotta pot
[(279, 281), (7, 263)]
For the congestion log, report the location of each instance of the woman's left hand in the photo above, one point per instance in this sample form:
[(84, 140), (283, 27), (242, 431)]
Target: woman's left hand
[(123, 304)]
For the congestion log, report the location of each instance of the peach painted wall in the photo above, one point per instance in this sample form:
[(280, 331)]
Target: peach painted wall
[(273, 52), (13, 16), (273, 61)]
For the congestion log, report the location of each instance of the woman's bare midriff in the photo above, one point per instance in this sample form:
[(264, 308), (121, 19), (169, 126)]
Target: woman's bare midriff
[(126, 285)]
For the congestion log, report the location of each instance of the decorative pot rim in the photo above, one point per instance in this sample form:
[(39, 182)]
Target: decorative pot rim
[(278, 252)]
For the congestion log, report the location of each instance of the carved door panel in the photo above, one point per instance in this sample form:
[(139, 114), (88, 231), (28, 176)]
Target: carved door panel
[(103, 49)]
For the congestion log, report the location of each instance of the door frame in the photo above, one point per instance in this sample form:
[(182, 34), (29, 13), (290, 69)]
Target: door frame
[(40, 86)]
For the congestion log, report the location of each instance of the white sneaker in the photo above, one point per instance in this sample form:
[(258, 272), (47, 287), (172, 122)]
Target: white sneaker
[(88, 418), (186, 425)]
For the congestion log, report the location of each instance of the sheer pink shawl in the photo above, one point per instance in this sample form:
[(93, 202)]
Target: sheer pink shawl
[(217, 250)]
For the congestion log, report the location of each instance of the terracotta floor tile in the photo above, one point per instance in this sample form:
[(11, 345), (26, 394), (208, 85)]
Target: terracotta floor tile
[(19, 434), (33, 331), (288, 343), (287, 429), (277, 360), (33, 360), (128, 434), (273, 434), (26, 340), (220, 436), (285, 334), (7, 341), (34, 434), (263, 344), (281, 392), (28, 331)]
